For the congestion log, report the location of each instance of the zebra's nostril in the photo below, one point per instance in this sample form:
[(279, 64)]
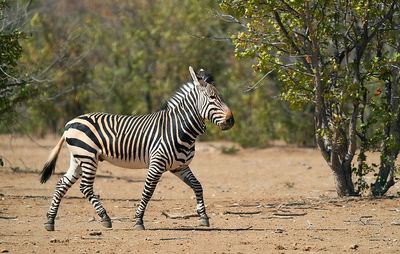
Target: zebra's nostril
[(230, 121)]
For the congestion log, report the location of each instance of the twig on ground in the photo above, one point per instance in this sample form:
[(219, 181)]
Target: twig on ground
[(8, 217), (278, 217), (246, 205), (327, 229), (120, 218), (289, 214), (92, 238), (179, 216), (241, 213), (395, 223), (175, 238), (295, 203)]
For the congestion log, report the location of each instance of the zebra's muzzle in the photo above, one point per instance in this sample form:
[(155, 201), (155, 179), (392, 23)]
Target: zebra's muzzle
[(228, 123)]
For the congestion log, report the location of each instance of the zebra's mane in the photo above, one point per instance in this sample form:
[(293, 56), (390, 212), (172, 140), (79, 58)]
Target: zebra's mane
[(178, 96)]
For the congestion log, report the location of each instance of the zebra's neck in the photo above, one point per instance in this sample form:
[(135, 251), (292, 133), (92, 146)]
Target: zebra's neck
[(183, 104), (180, 95)]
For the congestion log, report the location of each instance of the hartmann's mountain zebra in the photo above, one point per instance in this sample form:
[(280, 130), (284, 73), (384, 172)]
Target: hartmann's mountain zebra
[(162, 141)]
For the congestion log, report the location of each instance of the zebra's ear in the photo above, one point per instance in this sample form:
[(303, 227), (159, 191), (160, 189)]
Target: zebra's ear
[(194, 76)]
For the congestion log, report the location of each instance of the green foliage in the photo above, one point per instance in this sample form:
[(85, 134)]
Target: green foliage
[(125, 58), (332, 56), (128, 57), (12, 88)]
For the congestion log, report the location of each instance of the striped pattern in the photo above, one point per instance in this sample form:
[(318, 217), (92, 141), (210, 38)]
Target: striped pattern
[(125, 138), (161, 141)]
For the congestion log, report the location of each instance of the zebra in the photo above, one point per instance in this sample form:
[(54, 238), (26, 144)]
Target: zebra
[(160, 141)]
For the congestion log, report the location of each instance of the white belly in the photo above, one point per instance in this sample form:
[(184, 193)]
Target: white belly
[(126, 164)]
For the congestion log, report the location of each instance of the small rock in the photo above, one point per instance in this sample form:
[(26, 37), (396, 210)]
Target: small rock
[(54, 240), (307, 248), (5, 251), (95, 233), (354, 246), (279, 247)]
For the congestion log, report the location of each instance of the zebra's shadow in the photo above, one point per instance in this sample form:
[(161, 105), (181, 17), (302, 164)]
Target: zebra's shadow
[(201, 229), (207, 229)]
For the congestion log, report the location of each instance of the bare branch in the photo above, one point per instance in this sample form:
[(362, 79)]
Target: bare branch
[(393, 8), (352, 134), (258, 82), (212, 38), (291, 41), (229, 19), (9, 76), (290, 9)]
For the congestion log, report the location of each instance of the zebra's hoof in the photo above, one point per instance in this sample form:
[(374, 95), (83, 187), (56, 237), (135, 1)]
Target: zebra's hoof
[(106, 223), (49, 226), (105, 220), (204, 222), (138, 227)]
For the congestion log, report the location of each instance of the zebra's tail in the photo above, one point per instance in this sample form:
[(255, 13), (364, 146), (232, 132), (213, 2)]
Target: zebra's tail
[(50, 164)]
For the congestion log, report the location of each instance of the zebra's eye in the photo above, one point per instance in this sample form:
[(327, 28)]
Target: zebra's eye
[(213, 97)]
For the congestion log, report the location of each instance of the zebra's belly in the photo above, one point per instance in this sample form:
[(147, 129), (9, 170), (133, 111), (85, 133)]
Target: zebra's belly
[(136, 164)]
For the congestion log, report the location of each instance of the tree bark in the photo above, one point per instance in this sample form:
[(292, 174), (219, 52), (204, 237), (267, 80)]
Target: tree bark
[(340, 163), (338, 159), (343, 182), (391, 143)]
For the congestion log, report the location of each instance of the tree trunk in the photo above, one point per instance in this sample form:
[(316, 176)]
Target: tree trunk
[(391, 143), (340, 163), (343, 180), (339, 157), (336, 148), (386, 170)]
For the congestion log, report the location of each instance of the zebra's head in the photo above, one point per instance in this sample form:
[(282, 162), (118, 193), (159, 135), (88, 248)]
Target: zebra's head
[(210, 103)]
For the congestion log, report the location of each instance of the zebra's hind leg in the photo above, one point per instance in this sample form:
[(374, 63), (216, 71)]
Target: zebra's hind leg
[(66, 181), (153, 176), (187, 176), (89, 167)]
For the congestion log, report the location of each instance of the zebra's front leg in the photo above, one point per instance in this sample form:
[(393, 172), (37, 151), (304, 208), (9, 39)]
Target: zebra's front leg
[(187, 176), (86, 187), (153, 176)]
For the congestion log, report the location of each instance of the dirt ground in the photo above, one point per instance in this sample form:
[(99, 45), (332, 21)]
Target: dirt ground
[(275, 200)]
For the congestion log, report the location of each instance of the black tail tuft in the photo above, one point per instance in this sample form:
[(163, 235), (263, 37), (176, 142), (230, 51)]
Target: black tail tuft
[(50, 165), (48, 170)]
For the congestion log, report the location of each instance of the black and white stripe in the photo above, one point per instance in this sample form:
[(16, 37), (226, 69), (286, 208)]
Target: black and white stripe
[(161, 141)]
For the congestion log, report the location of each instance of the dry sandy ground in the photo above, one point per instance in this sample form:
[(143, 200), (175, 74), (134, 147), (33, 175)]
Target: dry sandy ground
[(275, 200)]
